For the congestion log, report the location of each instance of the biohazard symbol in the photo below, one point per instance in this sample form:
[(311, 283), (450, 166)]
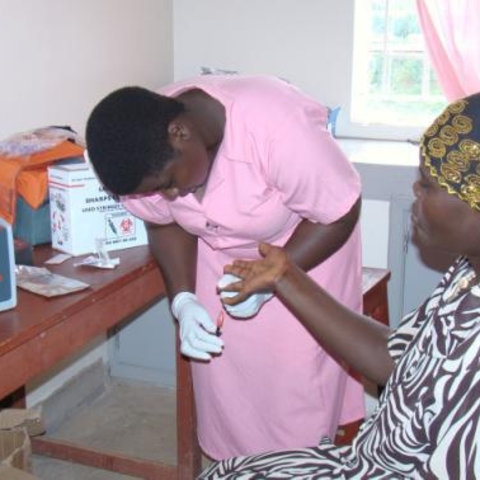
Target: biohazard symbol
[(127, 226)]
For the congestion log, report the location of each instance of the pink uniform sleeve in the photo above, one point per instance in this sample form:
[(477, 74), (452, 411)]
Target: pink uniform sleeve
[(310, 170)]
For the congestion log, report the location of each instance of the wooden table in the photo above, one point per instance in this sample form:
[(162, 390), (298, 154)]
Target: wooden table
[(40, 332), (375, 293)]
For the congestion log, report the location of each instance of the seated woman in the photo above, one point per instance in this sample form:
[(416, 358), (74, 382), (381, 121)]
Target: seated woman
[(427, 421)]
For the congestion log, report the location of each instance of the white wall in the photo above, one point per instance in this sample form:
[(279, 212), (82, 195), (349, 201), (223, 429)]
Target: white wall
[(58, 59), (309, 42), (374, 222)]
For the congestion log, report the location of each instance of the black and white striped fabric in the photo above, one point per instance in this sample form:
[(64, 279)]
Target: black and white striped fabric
[(427, 422)]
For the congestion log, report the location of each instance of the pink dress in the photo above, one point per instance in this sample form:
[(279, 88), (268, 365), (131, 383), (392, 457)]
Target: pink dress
[(273, 387)]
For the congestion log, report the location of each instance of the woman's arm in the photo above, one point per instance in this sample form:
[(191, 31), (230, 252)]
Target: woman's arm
[(175, 250), (312, 243), (354, 338)]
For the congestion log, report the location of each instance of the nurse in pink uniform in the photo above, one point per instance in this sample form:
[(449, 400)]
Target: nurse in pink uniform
[(214, 165)]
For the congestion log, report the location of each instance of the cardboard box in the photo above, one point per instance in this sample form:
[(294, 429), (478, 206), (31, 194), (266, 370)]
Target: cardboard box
[(12, 473), (81, 211), (16, 427)]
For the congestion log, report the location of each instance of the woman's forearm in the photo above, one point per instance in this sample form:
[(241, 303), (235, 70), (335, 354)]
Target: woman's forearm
[(312, 243), (175, 250), (358, 340)]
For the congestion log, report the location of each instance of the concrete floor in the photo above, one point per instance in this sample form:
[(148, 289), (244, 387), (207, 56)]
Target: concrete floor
[(123, 416), (128, 417)]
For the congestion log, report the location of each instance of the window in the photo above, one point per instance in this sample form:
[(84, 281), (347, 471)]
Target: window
[(394, 85)]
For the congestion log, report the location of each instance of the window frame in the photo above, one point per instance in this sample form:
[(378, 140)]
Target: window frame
[(350, 125)]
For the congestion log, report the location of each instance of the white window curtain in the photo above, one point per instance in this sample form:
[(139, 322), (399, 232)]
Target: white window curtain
[(452, 33)]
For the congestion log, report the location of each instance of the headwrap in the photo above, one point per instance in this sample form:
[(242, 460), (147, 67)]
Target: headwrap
[(450, 148)]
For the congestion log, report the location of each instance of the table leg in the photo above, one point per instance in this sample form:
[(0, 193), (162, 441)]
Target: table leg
[(188, 451), (17, 399)]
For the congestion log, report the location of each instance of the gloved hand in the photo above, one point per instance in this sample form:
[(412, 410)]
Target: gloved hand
[(250, 306), (197, 330)]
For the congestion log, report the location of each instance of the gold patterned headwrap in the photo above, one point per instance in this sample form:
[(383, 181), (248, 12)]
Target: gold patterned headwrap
[(450, 148)]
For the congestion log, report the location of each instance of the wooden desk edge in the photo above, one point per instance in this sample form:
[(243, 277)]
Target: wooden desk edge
[(37, 353), (150, 268)]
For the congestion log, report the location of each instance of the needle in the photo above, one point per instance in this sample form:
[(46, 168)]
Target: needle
[(220, 320)]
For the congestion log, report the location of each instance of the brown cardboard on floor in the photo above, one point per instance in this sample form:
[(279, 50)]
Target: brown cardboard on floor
[(16, 426)]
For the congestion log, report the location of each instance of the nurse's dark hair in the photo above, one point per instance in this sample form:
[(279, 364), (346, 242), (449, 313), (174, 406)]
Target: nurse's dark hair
[(127, 137)]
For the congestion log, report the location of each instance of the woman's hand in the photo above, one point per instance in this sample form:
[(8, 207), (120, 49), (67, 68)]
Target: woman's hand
[(198, 337), (256, 275)]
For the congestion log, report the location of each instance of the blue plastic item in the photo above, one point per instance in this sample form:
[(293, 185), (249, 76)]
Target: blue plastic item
[(332, 120), (8, 288)]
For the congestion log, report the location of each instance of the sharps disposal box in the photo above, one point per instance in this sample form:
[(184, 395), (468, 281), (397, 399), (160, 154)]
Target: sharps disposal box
[(81, 211), (8, 289)]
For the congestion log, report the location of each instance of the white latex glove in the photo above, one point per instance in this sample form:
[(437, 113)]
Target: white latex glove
[(197, 330), (250, 306)]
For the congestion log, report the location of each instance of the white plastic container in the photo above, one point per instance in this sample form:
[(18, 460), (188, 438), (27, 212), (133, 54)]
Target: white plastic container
[(82, 212)]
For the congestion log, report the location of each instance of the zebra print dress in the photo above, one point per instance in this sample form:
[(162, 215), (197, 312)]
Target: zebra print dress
[(426, 425)]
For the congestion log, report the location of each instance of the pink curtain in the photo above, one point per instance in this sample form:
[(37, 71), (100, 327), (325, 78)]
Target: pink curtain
[(452, 34)]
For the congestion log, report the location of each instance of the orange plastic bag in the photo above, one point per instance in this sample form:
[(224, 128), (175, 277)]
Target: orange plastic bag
[(27, 176)]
